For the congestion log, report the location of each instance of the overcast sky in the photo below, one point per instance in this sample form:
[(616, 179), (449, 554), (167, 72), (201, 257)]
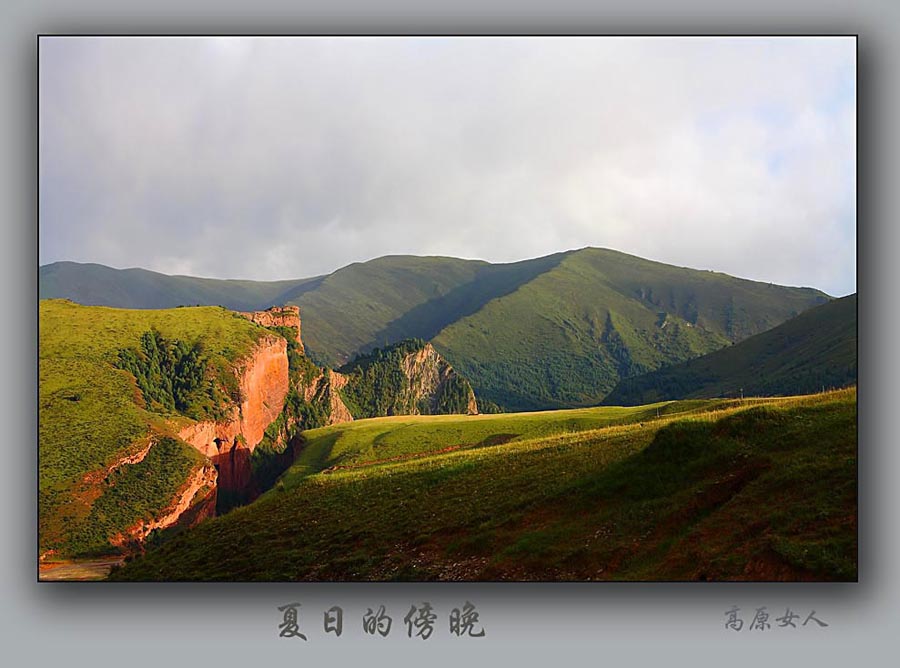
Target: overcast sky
[(283, 158)]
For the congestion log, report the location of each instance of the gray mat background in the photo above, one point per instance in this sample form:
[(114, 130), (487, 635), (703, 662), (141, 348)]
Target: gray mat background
[(527, 625)]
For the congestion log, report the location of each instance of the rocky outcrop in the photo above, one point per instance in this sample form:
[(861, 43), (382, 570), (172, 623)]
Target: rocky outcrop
[(263, 377), (339, 411), (406, 378), (277, 316), (323, 390), (130, 460), (430, 375)]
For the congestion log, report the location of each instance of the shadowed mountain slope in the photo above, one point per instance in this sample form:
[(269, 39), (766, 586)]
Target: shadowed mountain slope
[(815, 350)]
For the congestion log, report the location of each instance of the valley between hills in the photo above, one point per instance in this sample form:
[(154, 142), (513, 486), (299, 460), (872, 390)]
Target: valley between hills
[(588, 415)]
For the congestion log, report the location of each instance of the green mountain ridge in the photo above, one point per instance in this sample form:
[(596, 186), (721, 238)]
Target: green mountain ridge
[(552, 332), (98, 285), (359, 307), (815, 350), (567, 337)]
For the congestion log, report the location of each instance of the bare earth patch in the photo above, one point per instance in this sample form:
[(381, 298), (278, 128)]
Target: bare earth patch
[(96, 569)]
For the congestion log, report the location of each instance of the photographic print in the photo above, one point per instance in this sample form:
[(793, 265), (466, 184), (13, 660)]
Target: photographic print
[(447, 309)]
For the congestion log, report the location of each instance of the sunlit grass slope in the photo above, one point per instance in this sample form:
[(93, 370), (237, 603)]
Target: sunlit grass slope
[(382, 440), (758, 490), (92, 413)]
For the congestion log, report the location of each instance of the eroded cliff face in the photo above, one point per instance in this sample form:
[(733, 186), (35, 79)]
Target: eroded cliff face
[(277, 316), (323, 390), (409, 377), (195, 501), (264, 384), (339, 410), (429, 375)]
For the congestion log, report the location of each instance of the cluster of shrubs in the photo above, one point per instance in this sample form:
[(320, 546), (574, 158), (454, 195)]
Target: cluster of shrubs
[(174, 375)]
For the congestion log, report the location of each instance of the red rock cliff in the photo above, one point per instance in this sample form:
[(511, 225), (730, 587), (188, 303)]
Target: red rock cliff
[(277, 316), (264, 385)]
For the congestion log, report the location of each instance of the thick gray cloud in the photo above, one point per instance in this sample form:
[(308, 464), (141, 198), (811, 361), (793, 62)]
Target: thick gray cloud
[(282, 158)]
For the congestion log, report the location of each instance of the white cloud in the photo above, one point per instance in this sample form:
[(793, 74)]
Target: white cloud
[(286, 158)]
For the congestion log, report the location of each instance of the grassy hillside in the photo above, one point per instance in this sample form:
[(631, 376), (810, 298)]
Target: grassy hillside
[(814, 350), (568, 336), (92, 413), (754, 490), (417, 316), (367, 441), (96, 284)]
